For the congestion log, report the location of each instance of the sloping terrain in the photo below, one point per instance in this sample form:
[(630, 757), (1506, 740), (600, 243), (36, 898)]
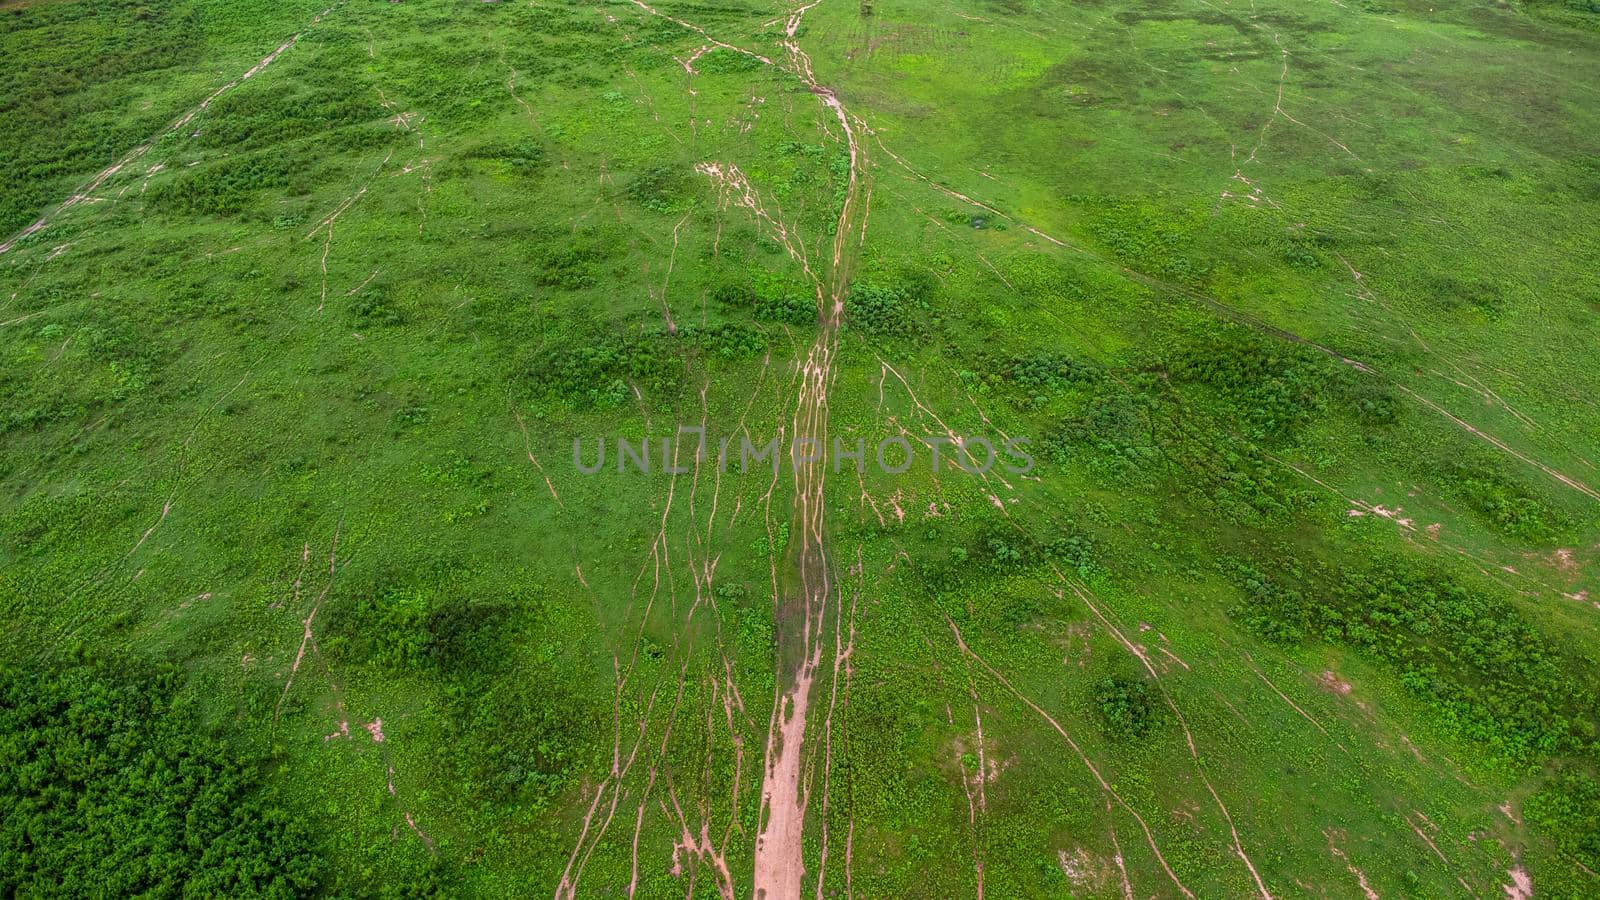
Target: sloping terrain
[(1254, 342)]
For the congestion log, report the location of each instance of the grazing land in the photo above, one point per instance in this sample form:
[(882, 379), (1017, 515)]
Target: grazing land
[(1291, 308)]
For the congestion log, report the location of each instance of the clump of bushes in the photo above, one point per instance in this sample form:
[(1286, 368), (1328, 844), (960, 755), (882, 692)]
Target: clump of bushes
[(1490, 676), (1277, 613), (726, 62), (413, 629), (766, 300), (1048, 371), (999, 548), (1566, 810), (1276, 387), (599, 372), (222, 188), (569, 267), (375, 307), (1111, 421), (522, 721), (886, 310), (258, 119), (524, 157), (663, 189), (727, 340), (1150, 238), (1503, 504), (1126, 707), (111, 783), (1453, 292)]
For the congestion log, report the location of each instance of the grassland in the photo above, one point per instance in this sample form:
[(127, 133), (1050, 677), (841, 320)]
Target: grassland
[(302, 308)]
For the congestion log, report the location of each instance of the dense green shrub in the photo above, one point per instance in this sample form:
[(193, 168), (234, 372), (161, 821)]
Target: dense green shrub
[(789, 309), (525, 156), (1149, 237), (726, 340), (726, 62), (1110, 422), (257, 119), (520, 717), (1276, 387), (1566, 811), (529, 726), (1490, 676), (461, 633), (1001, 548), (1502, 503), (886, 310), (598, 371), (1048, 371), (110, 785), (663, 189), (1453, 292), (402, 630), (1372, 402), (1275, 612), (222, 188), (1126, 707), (766, 299), (69, 87), (569, 266), (376, 307)]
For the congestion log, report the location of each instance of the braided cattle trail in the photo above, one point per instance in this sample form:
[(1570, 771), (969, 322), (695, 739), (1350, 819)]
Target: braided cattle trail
[(802, 599), (802, 612)]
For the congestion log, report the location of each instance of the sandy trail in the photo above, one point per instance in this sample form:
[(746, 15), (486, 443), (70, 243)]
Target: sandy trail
[(1423, 835), (527, 445), (1360, 876), (1116, 848), (307, 639), (1285, 698), (843, 650), (972, 784), (327, 223)]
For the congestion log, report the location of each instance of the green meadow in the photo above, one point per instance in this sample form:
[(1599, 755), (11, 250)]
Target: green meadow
[(1291, 305)]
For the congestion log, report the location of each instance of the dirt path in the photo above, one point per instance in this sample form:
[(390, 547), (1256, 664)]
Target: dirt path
[(779, 852), (802, 597)]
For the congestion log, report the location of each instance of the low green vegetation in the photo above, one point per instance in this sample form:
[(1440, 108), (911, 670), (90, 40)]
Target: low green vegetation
[(1289, 307)]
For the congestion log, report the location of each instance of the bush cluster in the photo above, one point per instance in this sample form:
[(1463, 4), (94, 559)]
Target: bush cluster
[(1489, 675), (111, 785)]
